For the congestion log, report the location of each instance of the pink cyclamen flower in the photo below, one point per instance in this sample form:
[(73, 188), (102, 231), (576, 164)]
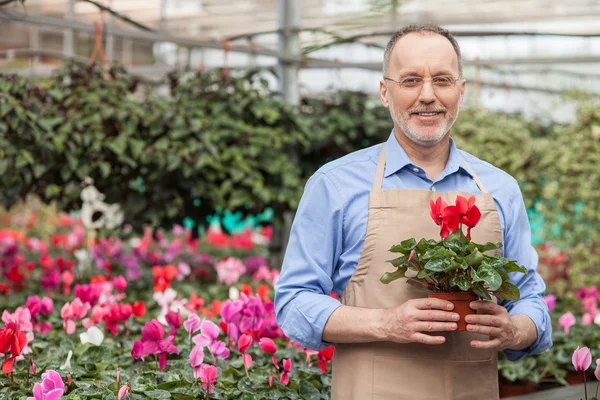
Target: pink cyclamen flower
[(587, 319), (208, 376), (21, 316), (196, 356), (230, 270), (122, 392), (287, 368), (268, 345), (244, 342), (51, 388), (247, 360), (136, 351), (550, 301), (219, 349), (192, 324), (120, 283), (597, 371), (567, 321), (209, 332), (47, 305), (582, 358)]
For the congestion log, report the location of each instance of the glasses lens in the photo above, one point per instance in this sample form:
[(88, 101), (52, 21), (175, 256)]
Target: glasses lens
[(412, 82), (443, 81)]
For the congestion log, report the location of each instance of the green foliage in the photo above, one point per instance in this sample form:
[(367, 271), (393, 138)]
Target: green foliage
[(455, 264), (215, 142)]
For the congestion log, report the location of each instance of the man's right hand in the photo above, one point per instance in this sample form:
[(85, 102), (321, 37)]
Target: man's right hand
[(408, 322)]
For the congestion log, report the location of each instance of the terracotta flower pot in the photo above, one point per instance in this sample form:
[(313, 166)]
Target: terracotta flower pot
[(516, 389), (461, 301)]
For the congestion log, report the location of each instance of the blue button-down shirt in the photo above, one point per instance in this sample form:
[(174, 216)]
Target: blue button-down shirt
[(329, 229)]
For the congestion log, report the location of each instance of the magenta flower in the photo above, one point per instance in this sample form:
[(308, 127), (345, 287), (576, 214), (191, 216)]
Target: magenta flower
[(587, 319), (550, 301), (247, 360), (597, 371), (120, 283), (153, 330), (136, 351), (287, 368), (51, 388), (208, 376), (165, 347), (47, 305), (192, 324), (268, 345), (567, 321), (173, 319), (582, 359), (196, 360)]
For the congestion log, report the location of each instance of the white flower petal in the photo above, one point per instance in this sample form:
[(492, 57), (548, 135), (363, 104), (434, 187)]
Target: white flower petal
[(67, 364)]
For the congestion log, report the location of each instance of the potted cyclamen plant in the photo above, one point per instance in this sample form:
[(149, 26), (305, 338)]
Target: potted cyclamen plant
[(454, 268)]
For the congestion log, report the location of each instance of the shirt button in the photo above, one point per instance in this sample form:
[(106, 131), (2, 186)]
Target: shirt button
[(433, 189), (416, 169)]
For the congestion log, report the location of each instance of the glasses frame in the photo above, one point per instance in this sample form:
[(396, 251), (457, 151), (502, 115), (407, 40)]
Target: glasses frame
[(420, 87)]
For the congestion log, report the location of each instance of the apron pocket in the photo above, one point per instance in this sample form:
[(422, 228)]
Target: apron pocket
[(427, 379), (407, 379)]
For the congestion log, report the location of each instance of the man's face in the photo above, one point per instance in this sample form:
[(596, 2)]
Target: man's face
[(426, 114)]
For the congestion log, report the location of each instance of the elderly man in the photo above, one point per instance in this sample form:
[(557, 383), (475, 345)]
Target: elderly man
[(391, 342)]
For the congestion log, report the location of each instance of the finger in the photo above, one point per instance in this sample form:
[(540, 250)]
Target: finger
[(486, 344), (486, 307), (427, 339), (434, 315), (429, 304), (433, 326), (483, 319), (484, 330)]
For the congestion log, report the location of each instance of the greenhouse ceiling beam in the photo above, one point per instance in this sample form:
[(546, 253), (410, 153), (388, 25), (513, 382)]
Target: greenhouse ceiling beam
[(60, 24)]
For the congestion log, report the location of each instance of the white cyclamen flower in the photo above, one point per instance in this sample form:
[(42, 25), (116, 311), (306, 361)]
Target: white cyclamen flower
[(67, 364), (234, 293), (93, 336), (597, 319)]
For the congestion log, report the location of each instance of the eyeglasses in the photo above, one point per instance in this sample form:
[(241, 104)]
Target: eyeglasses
[(416, 82)]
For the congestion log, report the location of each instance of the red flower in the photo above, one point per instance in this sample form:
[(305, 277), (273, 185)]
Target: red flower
[(246, 289), (464, 212), (11, 340), (139, 309), (324, 357), (163, 277), (436, 210)]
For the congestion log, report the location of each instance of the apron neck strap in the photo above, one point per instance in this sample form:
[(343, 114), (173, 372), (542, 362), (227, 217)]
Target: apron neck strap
[(381, 168)]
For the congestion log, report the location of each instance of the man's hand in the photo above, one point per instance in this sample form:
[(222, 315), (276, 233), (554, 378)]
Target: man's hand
[(407, 322), (505, 332)]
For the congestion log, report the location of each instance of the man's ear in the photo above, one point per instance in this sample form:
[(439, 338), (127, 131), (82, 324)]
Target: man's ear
[(383, 94)]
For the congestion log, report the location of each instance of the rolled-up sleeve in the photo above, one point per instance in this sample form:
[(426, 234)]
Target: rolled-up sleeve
[(517, 246), (302, 301)]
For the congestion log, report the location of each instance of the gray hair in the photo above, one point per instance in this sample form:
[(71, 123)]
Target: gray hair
[(422, 29)]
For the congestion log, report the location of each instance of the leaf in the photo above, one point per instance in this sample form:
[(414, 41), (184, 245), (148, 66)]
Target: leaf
[(308, 391), (480, 291), (397, 262), (434, 252), (245, 386), (512, 266), (157, 394), (508, 291), (405, 247), (488, 246), (474, 259), (438, 264), (492, 279), (389, 277), (424, 273), (461, 282)]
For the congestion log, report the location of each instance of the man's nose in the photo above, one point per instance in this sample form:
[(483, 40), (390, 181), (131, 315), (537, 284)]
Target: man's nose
[(427, 94)]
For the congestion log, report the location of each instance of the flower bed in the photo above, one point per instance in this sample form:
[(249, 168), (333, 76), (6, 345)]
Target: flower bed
[(162, 317)]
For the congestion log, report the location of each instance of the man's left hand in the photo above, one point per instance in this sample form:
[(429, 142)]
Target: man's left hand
[(492, 320)]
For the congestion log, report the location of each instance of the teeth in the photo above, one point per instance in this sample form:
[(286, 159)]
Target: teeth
[(427, 114)]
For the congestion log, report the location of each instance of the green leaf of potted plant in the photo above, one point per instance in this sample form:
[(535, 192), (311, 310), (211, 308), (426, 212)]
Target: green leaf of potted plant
[(455, 268)]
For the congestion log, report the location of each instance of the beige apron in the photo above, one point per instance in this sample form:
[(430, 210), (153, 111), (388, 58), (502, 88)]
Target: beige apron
[(414, 371)]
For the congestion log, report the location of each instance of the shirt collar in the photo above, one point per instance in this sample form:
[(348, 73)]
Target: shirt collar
[(397, 159)]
